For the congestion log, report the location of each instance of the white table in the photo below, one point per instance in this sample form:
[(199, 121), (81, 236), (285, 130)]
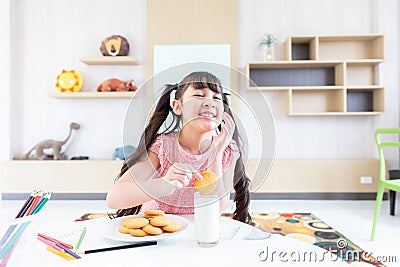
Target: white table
[(179, 250)]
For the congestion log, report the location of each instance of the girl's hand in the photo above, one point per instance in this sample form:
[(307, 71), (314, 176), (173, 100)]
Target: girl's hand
[(180, 175), (224, 138)]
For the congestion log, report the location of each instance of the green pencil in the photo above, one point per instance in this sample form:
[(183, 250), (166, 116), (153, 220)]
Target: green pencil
[(42, 203), (83, 233)]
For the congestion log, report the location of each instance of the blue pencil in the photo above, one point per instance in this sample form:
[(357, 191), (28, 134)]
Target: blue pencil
[(13, 240), (41, 203), (8, 241), (19, 215)]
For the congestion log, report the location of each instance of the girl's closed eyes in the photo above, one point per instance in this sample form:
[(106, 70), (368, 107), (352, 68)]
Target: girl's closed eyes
[(218, 97)]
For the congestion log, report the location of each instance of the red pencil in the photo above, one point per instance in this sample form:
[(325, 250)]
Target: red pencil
[(35, 200), (55, 240)]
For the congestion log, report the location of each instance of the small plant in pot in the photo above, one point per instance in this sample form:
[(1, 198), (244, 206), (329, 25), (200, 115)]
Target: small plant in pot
[(268, 42)]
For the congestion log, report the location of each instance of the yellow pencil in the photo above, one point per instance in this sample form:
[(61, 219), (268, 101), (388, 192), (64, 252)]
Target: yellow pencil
[(60, 253)]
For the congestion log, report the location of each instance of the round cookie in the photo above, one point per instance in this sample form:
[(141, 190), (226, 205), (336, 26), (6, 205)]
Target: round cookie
[(160, 221), (137, 232), (153, 213), (135, 222), (123, 230), (208, 184), (172, 227), (152, 230)]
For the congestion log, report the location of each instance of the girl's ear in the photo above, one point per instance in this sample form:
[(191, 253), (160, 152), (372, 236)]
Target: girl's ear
[(176, 107)]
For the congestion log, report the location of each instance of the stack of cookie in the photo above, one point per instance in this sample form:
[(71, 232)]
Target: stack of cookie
[(154, 222)]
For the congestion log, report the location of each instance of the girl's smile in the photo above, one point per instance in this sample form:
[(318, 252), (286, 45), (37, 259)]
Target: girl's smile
[(201, 108)]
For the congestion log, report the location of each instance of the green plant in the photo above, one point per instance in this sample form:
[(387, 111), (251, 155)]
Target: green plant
[(268, 39)]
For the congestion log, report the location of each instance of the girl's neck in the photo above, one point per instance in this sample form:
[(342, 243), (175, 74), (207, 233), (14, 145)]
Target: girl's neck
[(194, 143)]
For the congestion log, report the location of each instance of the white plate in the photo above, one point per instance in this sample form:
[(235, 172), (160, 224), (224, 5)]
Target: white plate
[(109, 229)]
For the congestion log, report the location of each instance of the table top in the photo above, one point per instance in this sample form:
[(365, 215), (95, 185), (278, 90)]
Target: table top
[(177, 250)]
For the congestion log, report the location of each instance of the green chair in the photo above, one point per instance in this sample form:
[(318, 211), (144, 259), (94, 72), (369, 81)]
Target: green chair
[(383, 183)]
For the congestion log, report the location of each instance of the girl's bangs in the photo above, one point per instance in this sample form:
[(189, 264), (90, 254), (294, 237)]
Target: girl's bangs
[(212, 85)]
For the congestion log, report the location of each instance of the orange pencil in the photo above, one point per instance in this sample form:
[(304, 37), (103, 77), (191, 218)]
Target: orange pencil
[(35, 200)]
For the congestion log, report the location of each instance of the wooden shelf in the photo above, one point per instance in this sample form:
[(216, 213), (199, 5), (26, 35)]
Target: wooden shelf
[(338, 47), (88, 95), (295, 74), (368, 99), (315, 102), (325, 75), (125, 60), (336, 114)]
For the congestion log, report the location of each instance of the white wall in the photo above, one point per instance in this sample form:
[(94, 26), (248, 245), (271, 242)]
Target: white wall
[(5, 78), (323, 137), (52, 35)]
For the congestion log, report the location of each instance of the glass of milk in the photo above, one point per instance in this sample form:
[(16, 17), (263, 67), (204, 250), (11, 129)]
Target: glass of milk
[(206, 219)]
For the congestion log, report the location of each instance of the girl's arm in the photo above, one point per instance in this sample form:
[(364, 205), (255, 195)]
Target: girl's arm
[(141, 183), (225, 180)]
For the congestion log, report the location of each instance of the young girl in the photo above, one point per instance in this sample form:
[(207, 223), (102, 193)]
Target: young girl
[(202, 136)]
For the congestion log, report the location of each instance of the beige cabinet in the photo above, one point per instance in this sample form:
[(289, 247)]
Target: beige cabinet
[(325, 75)]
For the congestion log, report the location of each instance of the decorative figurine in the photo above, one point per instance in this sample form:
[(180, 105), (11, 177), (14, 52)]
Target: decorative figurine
[(49, 144), (115, 45), (114, 84), (123, 152), (69, 81)]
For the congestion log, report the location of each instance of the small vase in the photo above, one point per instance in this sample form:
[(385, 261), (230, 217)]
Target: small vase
[(269, 53)]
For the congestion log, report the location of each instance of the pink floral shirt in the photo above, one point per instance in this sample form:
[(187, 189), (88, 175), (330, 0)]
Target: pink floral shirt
[(169, 151)]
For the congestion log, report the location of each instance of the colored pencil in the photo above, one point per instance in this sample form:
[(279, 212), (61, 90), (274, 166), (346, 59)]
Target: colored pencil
[(49, 243), (26, 207), (11, 237), (134, 245), (25, 204), (5, 259), (35, 200), (14, 238), (60, 253), (55, 240), (68, 251), (42, 202), (59, 247), (78, 244), (20, 214)]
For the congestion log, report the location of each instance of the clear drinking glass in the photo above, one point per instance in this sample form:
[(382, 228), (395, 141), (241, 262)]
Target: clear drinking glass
[(206, 219)]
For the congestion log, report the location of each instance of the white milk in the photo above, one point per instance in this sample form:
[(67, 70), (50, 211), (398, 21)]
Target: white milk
[(206, 219)]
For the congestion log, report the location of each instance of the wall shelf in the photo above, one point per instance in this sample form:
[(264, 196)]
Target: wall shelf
[(325, 75), (102, 60), (88, 95)]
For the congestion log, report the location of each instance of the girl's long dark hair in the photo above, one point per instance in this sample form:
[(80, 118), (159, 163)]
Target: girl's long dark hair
[(198, 80)]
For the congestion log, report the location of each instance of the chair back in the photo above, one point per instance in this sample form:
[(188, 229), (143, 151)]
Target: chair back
[(381, 145)]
